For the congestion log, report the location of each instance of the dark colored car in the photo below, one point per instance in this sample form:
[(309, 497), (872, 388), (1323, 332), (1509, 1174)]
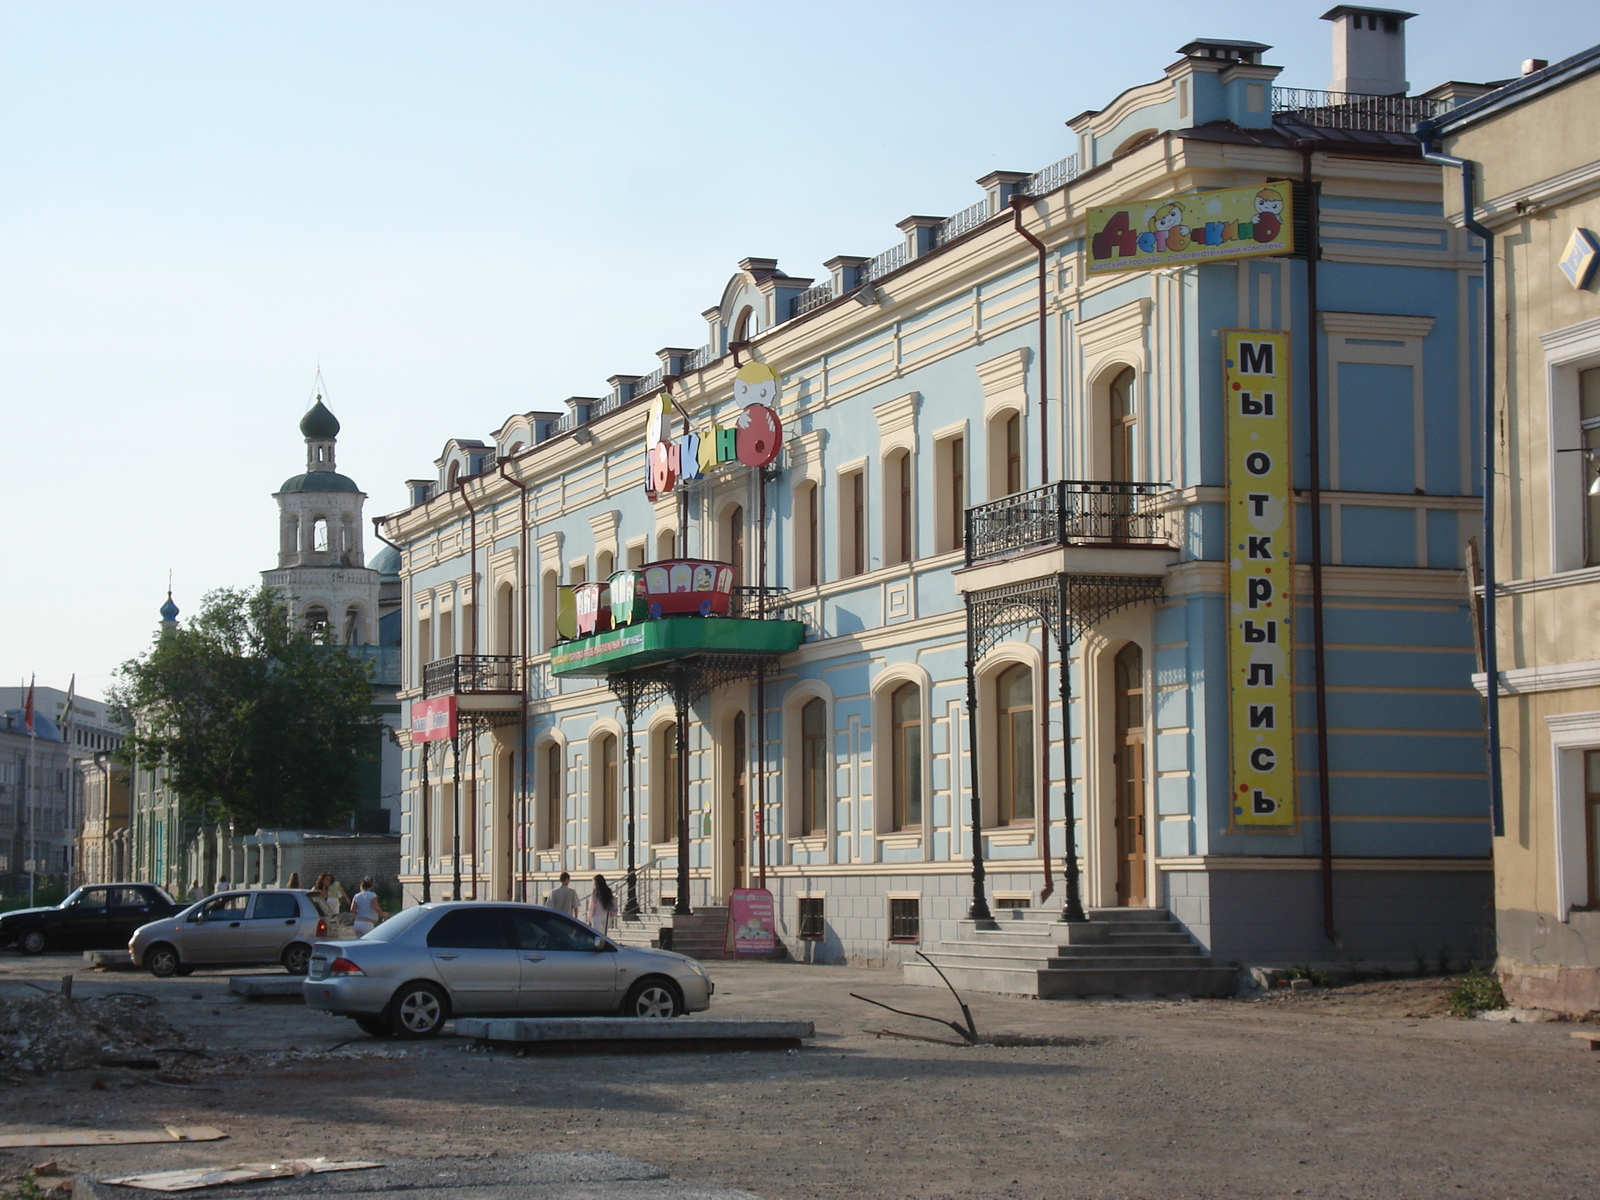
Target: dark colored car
[(99, 916)]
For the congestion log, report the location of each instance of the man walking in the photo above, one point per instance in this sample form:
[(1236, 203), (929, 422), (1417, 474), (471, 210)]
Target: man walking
[(564, 899)]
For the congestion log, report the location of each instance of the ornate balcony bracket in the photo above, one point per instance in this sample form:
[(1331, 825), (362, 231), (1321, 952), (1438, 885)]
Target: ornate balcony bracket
[(1067, 605)]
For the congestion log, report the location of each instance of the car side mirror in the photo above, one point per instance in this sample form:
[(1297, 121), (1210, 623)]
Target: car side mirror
[(599, 944), (196, 918)]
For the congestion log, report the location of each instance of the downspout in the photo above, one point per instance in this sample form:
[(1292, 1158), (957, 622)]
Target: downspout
[(1487, 615), (1319, 656), (522, 848), (472, 642), (1042, 811)]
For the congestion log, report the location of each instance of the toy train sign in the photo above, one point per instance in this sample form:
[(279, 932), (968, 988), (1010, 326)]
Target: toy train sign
[(675, 587)]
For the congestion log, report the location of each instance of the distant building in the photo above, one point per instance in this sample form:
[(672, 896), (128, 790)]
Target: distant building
[(1536, 190), (39, 819)]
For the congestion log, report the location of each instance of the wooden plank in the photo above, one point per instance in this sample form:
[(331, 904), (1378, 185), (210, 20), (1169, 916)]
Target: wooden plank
[(112, 1137)]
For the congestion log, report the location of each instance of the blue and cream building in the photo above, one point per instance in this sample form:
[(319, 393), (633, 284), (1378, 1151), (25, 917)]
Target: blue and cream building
[(992, 452)]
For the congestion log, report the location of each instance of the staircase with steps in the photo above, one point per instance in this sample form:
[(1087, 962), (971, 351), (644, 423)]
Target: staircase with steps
[(1118, 952), (643, 932)]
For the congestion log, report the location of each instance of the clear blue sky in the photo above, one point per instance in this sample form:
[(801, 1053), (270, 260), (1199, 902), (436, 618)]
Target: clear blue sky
[(465, 209)]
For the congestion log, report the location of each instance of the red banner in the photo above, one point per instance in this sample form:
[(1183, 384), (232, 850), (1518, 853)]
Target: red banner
[(750, 912), (433, 720)]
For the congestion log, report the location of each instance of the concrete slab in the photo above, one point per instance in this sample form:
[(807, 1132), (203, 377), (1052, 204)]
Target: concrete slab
[(109, 960), (630, 1034), (260, 986), (556, 1176)]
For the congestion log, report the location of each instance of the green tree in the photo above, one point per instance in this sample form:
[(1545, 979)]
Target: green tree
[(253, 718)]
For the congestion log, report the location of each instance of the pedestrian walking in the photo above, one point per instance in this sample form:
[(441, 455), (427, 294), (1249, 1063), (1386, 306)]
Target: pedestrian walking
[(222, 885), (564, 899), (602, 905), (196, 892), (368, 912)]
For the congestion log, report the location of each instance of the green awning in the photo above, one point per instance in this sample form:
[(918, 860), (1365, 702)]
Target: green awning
[(651, 643)]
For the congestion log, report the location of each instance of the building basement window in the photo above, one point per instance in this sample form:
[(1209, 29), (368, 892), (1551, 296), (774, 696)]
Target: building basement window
[(811, 921), (905, 920)]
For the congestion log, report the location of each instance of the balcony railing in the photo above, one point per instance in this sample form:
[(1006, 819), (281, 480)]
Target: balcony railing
[(463, 674), (1352, 110), (758, 602), (1069, 512)]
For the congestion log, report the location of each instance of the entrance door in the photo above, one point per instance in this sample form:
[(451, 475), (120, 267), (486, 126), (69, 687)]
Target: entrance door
[(738, 799), (1128, 768)]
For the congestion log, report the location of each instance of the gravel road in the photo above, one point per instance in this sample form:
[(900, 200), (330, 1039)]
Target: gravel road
[(1366, 1091)]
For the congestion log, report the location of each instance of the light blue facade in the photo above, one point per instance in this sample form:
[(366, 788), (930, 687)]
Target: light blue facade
[(943, 345)]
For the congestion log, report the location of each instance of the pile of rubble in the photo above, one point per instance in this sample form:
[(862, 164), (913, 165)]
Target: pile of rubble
[(52, 1033)]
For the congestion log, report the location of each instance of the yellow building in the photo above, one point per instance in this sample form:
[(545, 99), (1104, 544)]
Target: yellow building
[(1528, 159)]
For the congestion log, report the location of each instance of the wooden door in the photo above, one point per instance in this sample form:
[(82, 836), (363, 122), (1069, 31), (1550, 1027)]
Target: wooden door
[(1128, 769), (734, 848)]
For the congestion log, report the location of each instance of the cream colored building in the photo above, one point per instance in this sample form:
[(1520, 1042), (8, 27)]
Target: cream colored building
[(1533, 150)]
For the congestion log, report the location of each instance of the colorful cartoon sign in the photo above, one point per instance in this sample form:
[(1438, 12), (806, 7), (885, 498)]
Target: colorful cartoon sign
[(754, 439), (433, 720), (750, 913), (1231, 223), (1260, 579)]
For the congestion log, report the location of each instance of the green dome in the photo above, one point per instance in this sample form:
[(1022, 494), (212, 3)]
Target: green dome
[(319, 423), (319, 481), (386, 562)]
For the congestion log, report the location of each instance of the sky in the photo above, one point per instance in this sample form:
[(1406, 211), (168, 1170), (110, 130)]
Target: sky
[(461, 210)]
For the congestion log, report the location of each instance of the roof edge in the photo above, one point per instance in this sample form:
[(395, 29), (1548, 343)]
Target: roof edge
[(1585, 62)]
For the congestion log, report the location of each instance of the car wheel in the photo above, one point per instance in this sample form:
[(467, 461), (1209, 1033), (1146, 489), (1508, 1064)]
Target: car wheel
[(162, 960), (418, 1010), (297, 959), (32, 941), (652, 998), (374, 1026)]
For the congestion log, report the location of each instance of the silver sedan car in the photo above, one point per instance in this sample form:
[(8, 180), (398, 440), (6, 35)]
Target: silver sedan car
[(248, 928), (435, 961)]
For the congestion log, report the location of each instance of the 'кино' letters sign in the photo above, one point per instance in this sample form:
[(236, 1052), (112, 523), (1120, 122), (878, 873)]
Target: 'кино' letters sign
[(1260, 579)]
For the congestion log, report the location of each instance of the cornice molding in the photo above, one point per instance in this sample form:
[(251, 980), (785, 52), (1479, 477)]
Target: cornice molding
[(1388, 326), (1547, 677)]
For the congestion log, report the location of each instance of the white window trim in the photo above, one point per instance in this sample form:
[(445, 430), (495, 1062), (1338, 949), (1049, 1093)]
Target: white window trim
[(1346, 333), (1570, 735), (1566, 352)]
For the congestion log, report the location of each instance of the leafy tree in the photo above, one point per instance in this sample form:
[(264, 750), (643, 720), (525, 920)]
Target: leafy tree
[(253, 718)]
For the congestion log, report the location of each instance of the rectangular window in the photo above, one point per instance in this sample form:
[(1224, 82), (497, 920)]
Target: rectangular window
[(1014, 454), (811, 923), (447, 633), (905, 713), (853, 524), (905, 920), (814, 773), (956, 507), (664, 801), (610, 793), (554, 786), (1011, 902), (807, 563), (897, 520), (1591, 807), (1589, 417)]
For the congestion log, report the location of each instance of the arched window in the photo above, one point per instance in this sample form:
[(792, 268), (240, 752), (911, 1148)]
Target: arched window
[(815, 782), (1015, 753), (666, 545), (317, 622), (905, 758), (897, 528), (1013, 435), (555, 781), (607, 795), (605, 562), (455, 474), (733, 543), (514, 449), (355, 627), (549, 603), (506, 620), (347, 534), (1123, 424), (664, 784), (319, 535), (746, 326)]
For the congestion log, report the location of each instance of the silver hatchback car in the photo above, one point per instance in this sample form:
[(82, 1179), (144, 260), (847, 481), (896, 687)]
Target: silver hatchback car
[(426, 964), (234, 929)]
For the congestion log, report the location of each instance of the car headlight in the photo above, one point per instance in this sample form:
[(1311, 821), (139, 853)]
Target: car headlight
[(695, 966)]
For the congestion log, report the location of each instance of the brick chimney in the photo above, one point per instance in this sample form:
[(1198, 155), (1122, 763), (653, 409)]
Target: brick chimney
[(1369, 50)]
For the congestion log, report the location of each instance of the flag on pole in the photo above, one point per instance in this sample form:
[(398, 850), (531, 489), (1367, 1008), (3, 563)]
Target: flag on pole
[(27, 707), (66, 710)]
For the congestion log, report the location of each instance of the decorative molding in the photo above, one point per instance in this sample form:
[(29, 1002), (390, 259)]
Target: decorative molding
[(1119, 332), (1548, 677), (1525, 201), (1224, 862), (1005, 381), (549, 545), (604, 525), (897, 421), (1545, 583), (1570, 337), (1388, 326)]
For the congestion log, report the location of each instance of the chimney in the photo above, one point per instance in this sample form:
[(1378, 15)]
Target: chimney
[(1369, 50), (1532, 66)]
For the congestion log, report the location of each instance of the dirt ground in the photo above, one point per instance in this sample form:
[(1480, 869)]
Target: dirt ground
[(1363, 1091)]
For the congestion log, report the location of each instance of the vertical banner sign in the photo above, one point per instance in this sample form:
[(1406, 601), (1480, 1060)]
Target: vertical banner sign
[(1260, 579)]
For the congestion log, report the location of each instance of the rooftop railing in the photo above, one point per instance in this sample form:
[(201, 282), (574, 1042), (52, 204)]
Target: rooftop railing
[(891, 259), (1352, 110), (1056, 175), (1068, 512), (967, 219), (462, 674), (813, 297)]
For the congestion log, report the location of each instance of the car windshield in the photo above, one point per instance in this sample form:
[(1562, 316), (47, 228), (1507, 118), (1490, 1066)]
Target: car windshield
[(396, 925)]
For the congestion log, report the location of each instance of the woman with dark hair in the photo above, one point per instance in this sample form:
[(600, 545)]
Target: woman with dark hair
[(602, 905)]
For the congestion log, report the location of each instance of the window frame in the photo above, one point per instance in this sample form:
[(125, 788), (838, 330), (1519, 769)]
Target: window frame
[(905, 759), (1008, 769), (905, 925), (816, 777)]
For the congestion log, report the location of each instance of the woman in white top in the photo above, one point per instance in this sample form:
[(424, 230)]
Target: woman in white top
[(602, 905), (368, 912)]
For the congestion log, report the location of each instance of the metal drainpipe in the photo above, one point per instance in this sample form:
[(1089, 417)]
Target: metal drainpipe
[(1017, 204), (1314, 447), (1487, 615), (472, 641), (524, 850)]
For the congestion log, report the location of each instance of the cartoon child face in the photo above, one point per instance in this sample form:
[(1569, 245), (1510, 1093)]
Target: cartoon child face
[(1167, 218), (1269, 201), (756, 383)]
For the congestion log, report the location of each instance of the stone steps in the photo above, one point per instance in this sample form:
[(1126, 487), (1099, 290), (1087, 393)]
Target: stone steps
[(1118, 952)]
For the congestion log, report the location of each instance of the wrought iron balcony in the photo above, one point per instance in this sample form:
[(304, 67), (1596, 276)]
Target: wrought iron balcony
[(473, 674), (1069, 512)]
